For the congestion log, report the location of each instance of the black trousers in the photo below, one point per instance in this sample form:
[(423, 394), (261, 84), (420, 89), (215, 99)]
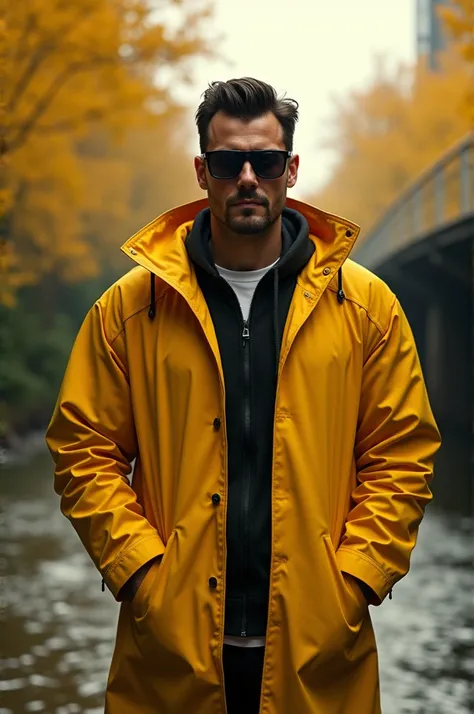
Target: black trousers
[(243, 667)]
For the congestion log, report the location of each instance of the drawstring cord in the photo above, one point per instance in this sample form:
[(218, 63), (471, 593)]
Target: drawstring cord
[(152, 310), (276, 326), (340, 292)]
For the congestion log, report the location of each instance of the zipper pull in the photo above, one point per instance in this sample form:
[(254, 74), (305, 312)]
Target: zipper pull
[(390, 596), (103, 585), (245, 333)]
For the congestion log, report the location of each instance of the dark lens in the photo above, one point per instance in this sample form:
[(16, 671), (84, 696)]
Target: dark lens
[(268, 164), (224, 164)]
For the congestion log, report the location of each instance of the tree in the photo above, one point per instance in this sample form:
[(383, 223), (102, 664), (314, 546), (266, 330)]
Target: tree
[(389, 132), (133, 182), (458, 18), (68, 63), (71, 71), (91, 148)]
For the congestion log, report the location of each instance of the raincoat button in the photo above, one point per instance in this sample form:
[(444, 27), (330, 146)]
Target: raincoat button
[(216, 498), (348, 234), (326, 271), (213, 582), (133, 251), (217, 423)]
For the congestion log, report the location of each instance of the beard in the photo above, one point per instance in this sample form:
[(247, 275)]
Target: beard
[(249, 220)]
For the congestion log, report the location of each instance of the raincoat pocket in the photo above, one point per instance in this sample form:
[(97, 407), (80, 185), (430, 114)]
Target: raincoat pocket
[(334, 629), (147, 611), (346, 615), (350, 599), (139, 604)]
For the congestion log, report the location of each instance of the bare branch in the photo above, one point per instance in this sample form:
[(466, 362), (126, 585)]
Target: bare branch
[(28, 27), (32, 67), (50, 94), (41, 53), (72, 123)]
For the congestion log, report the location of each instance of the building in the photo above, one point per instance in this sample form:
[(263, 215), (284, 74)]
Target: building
[(429, 32)]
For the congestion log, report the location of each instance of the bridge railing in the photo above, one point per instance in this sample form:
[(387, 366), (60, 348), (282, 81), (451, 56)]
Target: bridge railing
[(442, 194)]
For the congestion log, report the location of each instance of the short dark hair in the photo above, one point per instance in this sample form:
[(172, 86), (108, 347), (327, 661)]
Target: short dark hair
[(245, 98)]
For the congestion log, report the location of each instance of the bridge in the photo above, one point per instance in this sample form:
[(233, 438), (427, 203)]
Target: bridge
[(423, 248)]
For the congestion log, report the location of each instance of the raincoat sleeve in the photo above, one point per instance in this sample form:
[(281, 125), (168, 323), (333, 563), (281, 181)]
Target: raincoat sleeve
[(92, 440), (396, 441)]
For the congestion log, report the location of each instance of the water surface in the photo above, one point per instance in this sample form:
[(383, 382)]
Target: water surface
[(58, 627)]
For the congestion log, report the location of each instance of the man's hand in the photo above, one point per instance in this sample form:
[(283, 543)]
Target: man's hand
[(130, 588)]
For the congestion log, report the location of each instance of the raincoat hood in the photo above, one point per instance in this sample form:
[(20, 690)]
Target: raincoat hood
[(297, 248)]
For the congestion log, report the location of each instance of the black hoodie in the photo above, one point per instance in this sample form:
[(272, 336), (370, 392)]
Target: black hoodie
[(249, 353)]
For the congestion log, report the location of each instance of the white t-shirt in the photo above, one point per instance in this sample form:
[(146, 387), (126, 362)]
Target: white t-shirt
[(244, 283)]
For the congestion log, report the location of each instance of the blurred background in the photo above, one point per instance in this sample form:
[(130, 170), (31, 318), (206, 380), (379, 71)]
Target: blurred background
[(97, 138)]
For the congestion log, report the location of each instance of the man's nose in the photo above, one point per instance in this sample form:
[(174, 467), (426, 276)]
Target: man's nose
[(247, 177)]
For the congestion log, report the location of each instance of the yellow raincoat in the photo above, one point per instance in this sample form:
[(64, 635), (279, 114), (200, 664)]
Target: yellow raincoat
[(354, 440)]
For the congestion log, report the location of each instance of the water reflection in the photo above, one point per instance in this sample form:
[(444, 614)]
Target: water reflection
[(58, 628)]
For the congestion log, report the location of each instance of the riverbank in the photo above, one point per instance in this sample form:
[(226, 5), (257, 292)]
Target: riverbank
[(16, 449)]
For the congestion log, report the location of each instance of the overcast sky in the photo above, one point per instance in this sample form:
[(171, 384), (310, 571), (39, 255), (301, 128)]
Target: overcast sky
[(313, 50)]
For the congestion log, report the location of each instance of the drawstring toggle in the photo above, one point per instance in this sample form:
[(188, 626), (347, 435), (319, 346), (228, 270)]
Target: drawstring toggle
[(340, 292), (152, 310)]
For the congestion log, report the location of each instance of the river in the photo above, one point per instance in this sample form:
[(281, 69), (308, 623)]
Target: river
[(58, 626)]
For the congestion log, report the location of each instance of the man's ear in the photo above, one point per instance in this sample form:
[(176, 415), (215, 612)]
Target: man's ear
[(293, 171), (200, 168)]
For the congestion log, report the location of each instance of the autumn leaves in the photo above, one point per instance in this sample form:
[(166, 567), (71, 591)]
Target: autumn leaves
[(386, 134), (88, 125)]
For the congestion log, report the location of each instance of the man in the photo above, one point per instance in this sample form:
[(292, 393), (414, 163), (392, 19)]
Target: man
[(270, 391)]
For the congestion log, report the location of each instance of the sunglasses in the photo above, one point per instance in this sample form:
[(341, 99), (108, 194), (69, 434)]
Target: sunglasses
[(267, 164)]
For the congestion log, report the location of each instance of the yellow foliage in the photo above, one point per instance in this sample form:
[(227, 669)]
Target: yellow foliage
[(12, 274), (458, 18), (391, 131), (131, 183), (74, 74)]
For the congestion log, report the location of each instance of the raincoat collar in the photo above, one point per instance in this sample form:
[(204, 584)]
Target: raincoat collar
[(160, 246)]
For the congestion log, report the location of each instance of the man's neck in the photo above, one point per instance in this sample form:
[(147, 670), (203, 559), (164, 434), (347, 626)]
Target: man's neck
[(235, 251)]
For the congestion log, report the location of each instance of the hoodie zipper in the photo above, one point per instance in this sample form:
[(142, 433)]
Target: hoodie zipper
[(246, 487), (245, 336)]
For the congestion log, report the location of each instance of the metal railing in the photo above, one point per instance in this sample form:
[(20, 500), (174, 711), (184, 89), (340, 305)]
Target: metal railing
[(441, 195)]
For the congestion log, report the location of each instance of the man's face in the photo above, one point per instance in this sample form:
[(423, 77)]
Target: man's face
[(227, 196)]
